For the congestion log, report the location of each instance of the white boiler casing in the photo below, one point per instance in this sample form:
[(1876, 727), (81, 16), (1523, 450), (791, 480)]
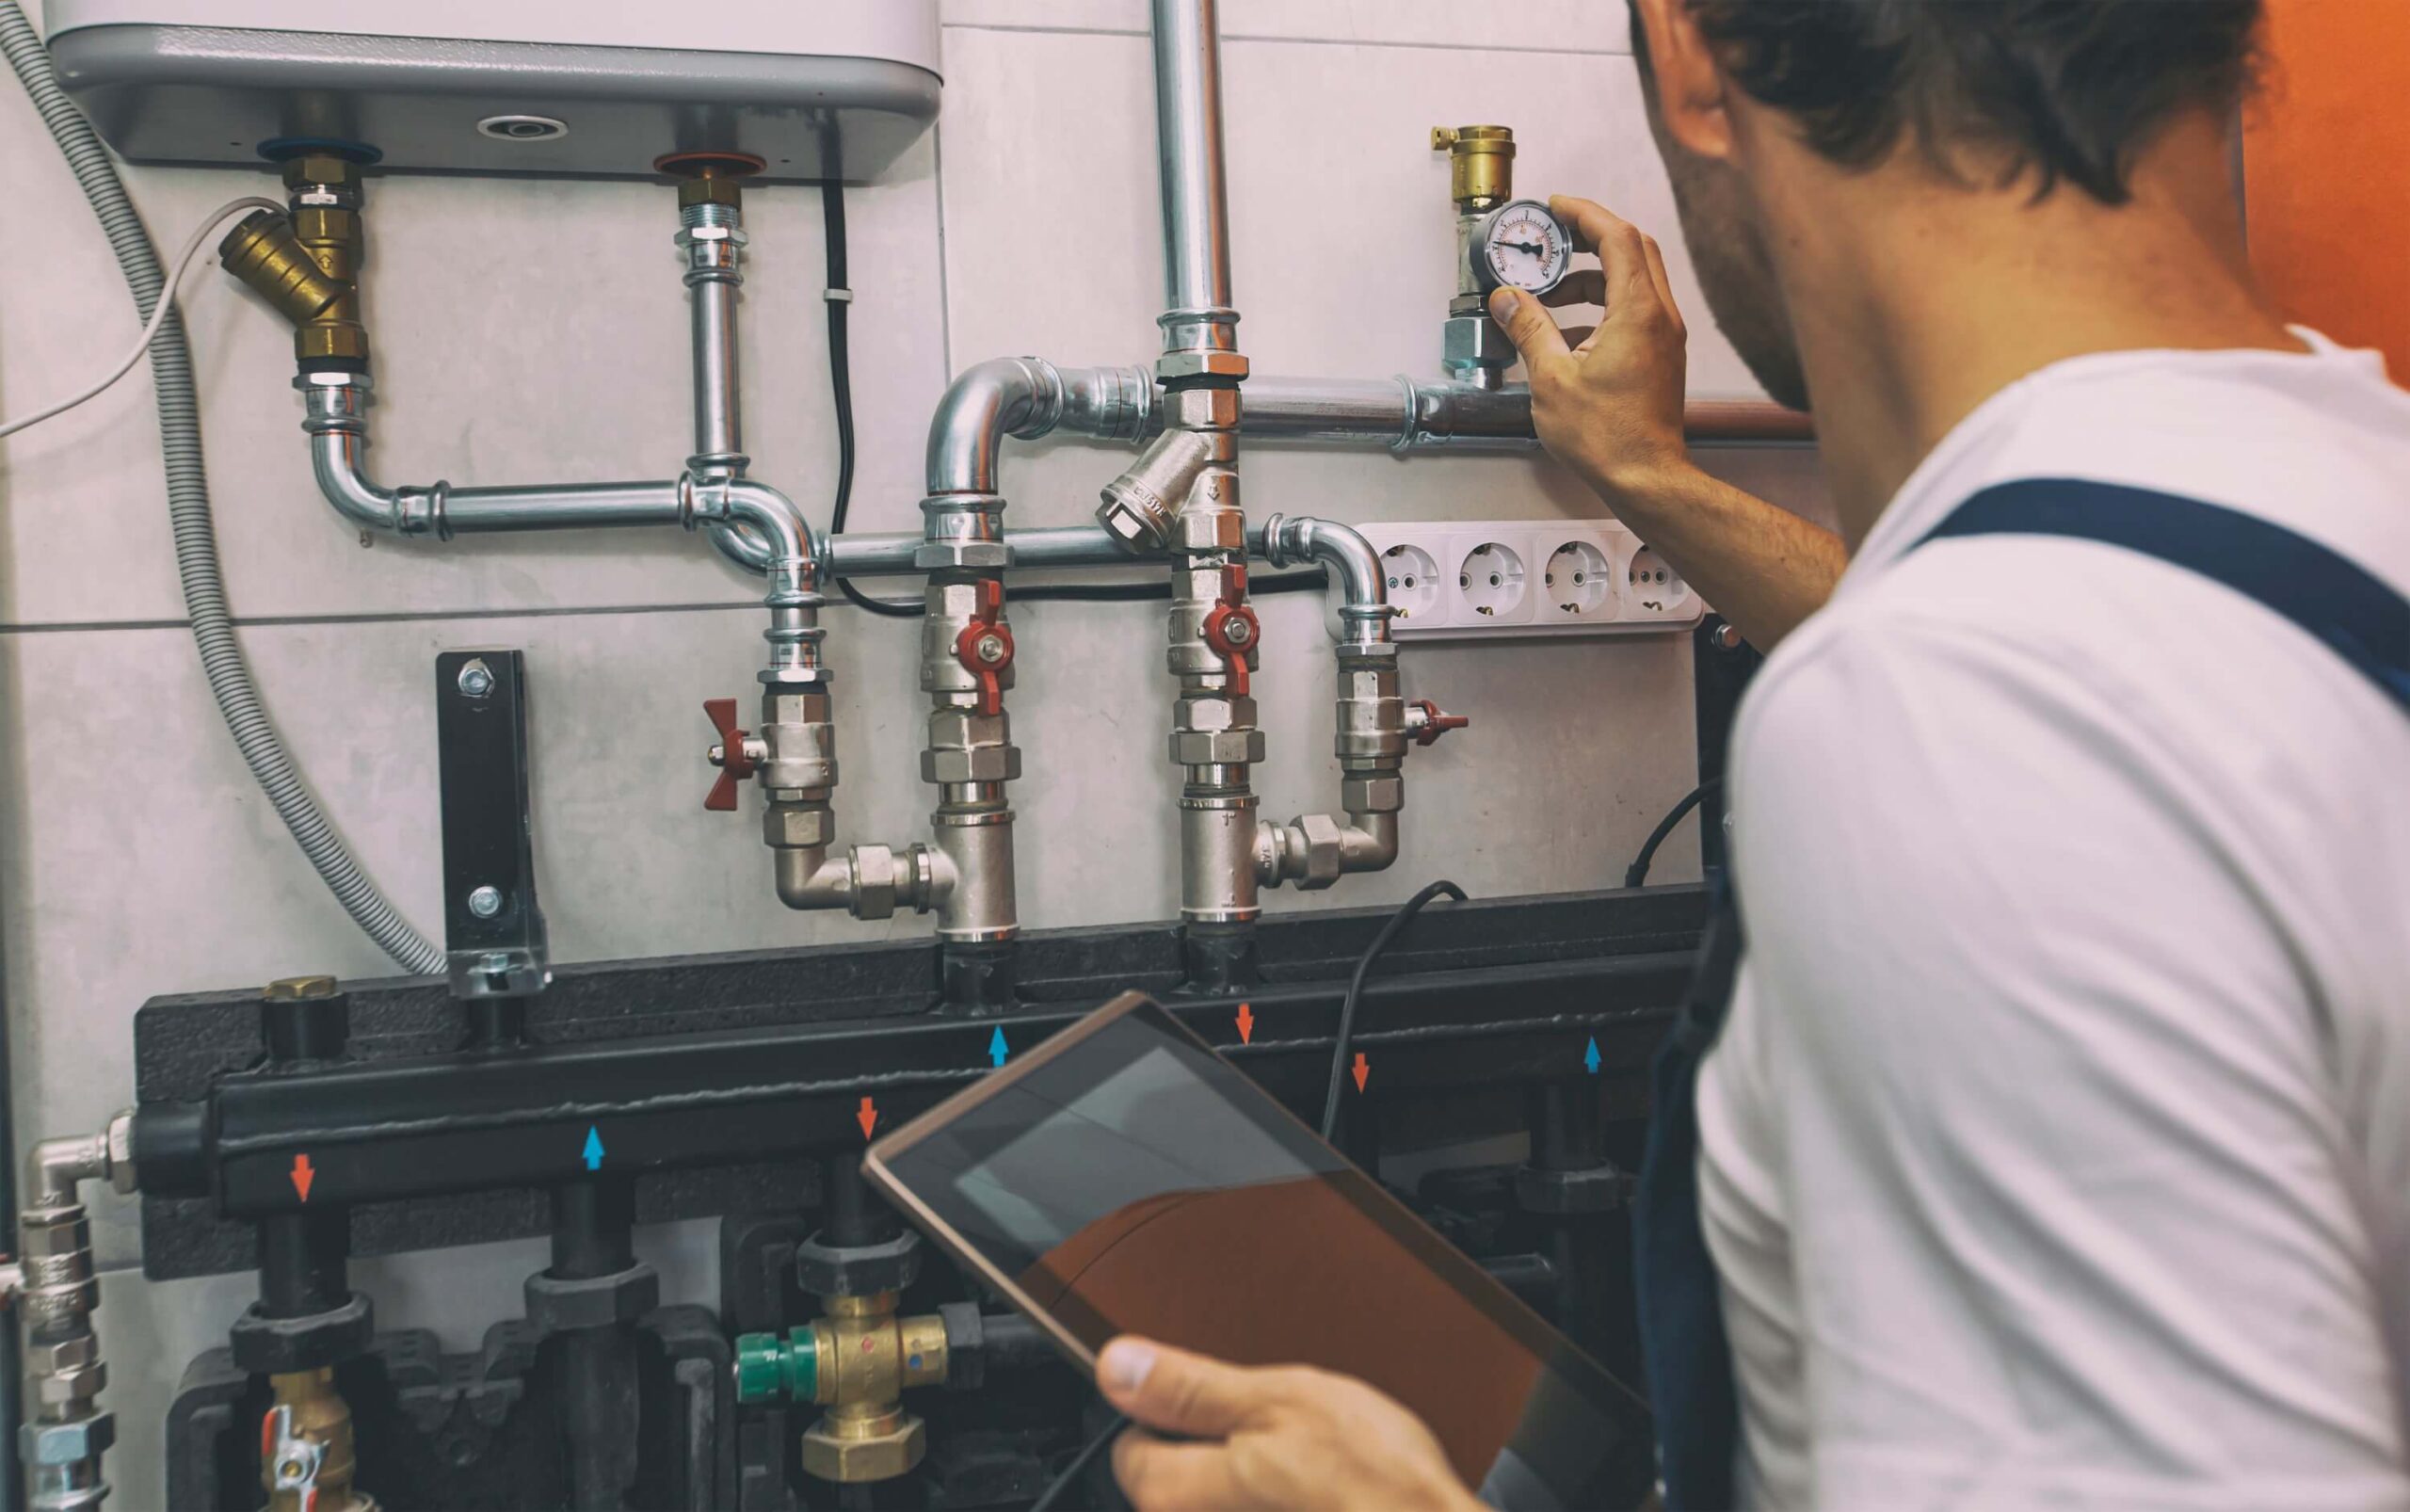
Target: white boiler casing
[(815, 88)]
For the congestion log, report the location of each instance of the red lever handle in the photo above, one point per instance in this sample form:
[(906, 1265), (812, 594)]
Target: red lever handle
[(1232, 629), (985, 648), (1436, 724), (734, 761)]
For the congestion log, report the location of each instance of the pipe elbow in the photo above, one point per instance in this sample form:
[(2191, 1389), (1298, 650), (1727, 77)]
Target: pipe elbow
[(1006, 395), (808, 879), (1365, 600), (56, 1168), (1368, 843), (783, 532), (336, 460)]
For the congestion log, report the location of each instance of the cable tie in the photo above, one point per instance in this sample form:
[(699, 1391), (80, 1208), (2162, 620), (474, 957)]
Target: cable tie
[(838, 296)]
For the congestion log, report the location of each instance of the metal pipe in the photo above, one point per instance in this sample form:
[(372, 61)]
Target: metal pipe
[(56, 1289), (1188, 145), (1364, 606), (719, 424)]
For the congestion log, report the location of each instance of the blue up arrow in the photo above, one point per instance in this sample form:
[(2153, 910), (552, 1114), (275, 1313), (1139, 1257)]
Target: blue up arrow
[(1590, 1056), (593, 1149), (996, 1051)]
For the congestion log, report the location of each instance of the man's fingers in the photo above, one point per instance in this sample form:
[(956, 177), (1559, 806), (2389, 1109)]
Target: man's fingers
[(1173, 1477), (1580, 337), (1177, 1392), (1583, 285), (1664, 284), (1527, 324), (1623, 253)]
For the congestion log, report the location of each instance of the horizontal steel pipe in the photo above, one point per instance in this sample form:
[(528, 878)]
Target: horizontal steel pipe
[(446, 1124), (565, 506)]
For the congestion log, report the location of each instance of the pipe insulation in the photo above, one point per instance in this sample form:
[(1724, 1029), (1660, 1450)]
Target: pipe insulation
[(197, 568)]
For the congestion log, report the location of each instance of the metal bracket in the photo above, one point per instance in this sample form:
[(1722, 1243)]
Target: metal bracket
[(493, 929)]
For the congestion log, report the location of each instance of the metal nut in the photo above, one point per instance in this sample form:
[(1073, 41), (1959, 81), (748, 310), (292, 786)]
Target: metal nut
[(1323, 844), (979, 764), (486, 901), (849, 1461), (66, 1443), (933, 555), (1231, 713), (1175, 365), (1211, 747), (476, 679), (786, 706), (1204, 409), (122, 1172), (46, 1239), (797, 826), (61, 1355), (1371, 795), (78, 1383), (966, 730), (1212, 529), (957, 600), (873, 869), (1474, 341)]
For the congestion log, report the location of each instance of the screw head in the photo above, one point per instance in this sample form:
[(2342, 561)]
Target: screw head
[(990, 648), (486, 901), (1237, 631), (476, 679)]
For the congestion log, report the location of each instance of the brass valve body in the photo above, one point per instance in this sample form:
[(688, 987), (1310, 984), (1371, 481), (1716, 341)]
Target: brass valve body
[(262, 251), (868, 1357), (323, 231), (321, 1416), (1481, 165)]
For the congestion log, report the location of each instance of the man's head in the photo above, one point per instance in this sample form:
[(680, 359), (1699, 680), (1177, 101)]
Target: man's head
[(2041, 97)]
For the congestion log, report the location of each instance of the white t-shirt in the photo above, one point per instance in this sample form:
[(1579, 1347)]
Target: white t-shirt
[(2056, 1150)]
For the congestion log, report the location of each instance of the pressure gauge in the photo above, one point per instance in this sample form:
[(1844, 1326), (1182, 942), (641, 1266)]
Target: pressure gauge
[(1519, 245)]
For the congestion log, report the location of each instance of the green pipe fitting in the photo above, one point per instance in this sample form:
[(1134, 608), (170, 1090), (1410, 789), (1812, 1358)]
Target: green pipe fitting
[(770, 1369)]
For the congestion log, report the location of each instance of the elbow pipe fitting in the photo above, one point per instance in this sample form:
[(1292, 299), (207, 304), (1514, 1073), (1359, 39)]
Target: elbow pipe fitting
[(1027, 397), (868, 881), (337, 423), (1315, 850), (1284, 540)]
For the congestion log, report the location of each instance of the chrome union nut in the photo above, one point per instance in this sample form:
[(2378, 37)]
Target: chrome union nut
[(1204, 409), (967, 729), (852, 1462), (980, 764), (797, 826), (62, 1355), (1372, 795), (935, 554), (789, 706), (1216, 748), (122, 1172), (873, 882), (1325, 844), (1173, 367), (79, 1383), (1474, 341), (66, 1443), (1233, 712), (50, 1238)]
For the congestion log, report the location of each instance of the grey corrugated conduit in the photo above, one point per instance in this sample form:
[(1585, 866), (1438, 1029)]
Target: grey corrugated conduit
[(204, 589)]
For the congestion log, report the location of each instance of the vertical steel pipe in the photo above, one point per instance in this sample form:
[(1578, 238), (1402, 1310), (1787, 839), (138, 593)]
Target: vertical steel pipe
[(1188, 141)]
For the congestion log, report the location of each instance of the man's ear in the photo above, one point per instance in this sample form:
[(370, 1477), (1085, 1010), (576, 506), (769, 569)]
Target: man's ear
[(1690, 88)]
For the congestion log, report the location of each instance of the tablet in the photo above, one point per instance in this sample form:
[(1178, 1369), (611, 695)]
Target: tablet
[(1124, 1178)]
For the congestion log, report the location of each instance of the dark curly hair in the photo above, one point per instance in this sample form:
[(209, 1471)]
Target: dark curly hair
[(2069, 89)]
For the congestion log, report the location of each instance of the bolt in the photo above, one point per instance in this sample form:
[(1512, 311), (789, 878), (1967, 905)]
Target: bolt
[(476, 679), (1728, 637), (486, 901), (1237, 631), (990, 648)]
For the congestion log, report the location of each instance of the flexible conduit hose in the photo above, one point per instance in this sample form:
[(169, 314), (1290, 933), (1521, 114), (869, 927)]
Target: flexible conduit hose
[(205, 588)]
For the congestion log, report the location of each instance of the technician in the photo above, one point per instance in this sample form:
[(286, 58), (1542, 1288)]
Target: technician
[(2053, 1143)]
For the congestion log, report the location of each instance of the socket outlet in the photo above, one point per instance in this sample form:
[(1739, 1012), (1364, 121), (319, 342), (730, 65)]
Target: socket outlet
[(1530, 578)]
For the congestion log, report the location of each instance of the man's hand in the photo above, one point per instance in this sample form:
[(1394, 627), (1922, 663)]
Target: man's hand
[(1608, 406), (1285, 1437)]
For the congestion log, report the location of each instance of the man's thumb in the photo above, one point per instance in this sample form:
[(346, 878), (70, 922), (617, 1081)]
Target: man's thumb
[(1173, 1390), (1526, 322)]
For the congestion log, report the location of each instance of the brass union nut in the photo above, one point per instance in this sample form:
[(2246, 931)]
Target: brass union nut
[(848, 1461)]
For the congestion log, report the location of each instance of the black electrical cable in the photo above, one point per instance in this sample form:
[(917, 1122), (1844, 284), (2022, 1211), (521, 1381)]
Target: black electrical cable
[(1637, 872), (840, 388), (1398, 921), (1389, 931)]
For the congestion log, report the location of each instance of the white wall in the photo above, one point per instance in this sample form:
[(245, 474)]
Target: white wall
[(529, 330)]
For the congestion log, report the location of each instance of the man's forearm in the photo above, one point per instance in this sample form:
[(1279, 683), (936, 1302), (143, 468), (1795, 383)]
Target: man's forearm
[(1763, 568)]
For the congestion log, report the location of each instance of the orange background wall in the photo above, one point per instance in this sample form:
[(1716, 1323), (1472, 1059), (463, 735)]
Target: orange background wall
[(2327, 170)]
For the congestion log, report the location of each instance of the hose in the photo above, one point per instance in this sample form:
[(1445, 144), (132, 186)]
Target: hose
[(1637, 874), (205, 588)]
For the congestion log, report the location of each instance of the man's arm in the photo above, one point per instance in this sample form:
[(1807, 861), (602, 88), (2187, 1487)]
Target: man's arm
[(1610, 408)]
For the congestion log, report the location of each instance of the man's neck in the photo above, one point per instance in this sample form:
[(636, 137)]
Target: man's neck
[(1922, 299)]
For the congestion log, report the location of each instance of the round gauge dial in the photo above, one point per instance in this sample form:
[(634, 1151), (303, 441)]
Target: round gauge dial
[(1522, 246)]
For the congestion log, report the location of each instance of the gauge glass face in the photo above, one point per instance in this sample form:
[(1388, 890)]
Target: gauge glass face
[(1525, 247)]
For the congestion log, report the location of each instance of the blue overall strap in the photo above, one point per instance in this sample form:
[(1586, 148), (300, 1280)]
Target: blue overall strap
[(2345, 605), (1688, 1361)]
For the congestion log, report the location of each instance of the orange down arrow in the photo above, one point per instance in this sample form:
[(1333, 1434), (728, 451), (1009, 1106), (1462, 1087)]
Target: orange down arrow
[(302, 1176), (1363, 1072), (1246, 1024), (867, 1117)]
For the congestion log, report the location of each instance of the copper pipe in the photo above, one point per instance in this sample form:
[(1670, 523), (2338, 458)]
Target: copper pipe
[(1745, 420)]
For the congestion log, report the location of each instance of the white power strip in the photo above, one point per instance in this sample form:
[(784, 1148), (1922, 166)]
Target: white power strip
[(1453, 580)]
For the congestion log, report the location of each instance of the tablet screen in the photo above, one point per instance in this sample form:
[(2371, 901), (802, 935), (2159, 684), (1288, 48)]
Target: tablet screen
[(1129, 1180)]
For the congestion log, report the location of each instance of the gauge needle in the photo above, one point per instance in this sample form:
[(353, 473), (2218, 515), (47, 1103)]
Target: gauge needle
[(1532, 248)]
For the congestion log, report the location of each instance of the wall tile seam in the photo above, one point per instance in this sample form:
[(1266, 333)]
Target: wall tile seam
[(1029, 29)]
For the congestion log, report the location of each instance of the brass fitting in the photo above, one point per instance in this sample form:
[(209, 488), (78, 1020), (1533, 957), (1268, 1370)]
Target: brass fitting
[(325, 194), (857, 1362), (308, 1461), (713, 189), (262, 251), (1481, 165)]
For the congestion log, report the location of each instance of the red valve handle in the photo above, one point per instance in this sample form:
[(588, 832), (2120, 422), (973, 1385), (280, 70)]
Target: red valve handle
[(734, 763), (1233, 648), (985, 623), (1436, 724)]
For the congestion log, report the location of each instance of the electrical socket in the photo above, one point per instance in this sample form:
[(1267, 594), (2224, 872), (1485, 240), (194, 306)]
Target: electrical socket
[(1462, 579)]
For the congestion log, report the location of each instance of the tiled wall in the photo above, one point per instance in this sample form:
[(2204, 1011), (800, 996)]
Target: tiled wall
[(529, 330)]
